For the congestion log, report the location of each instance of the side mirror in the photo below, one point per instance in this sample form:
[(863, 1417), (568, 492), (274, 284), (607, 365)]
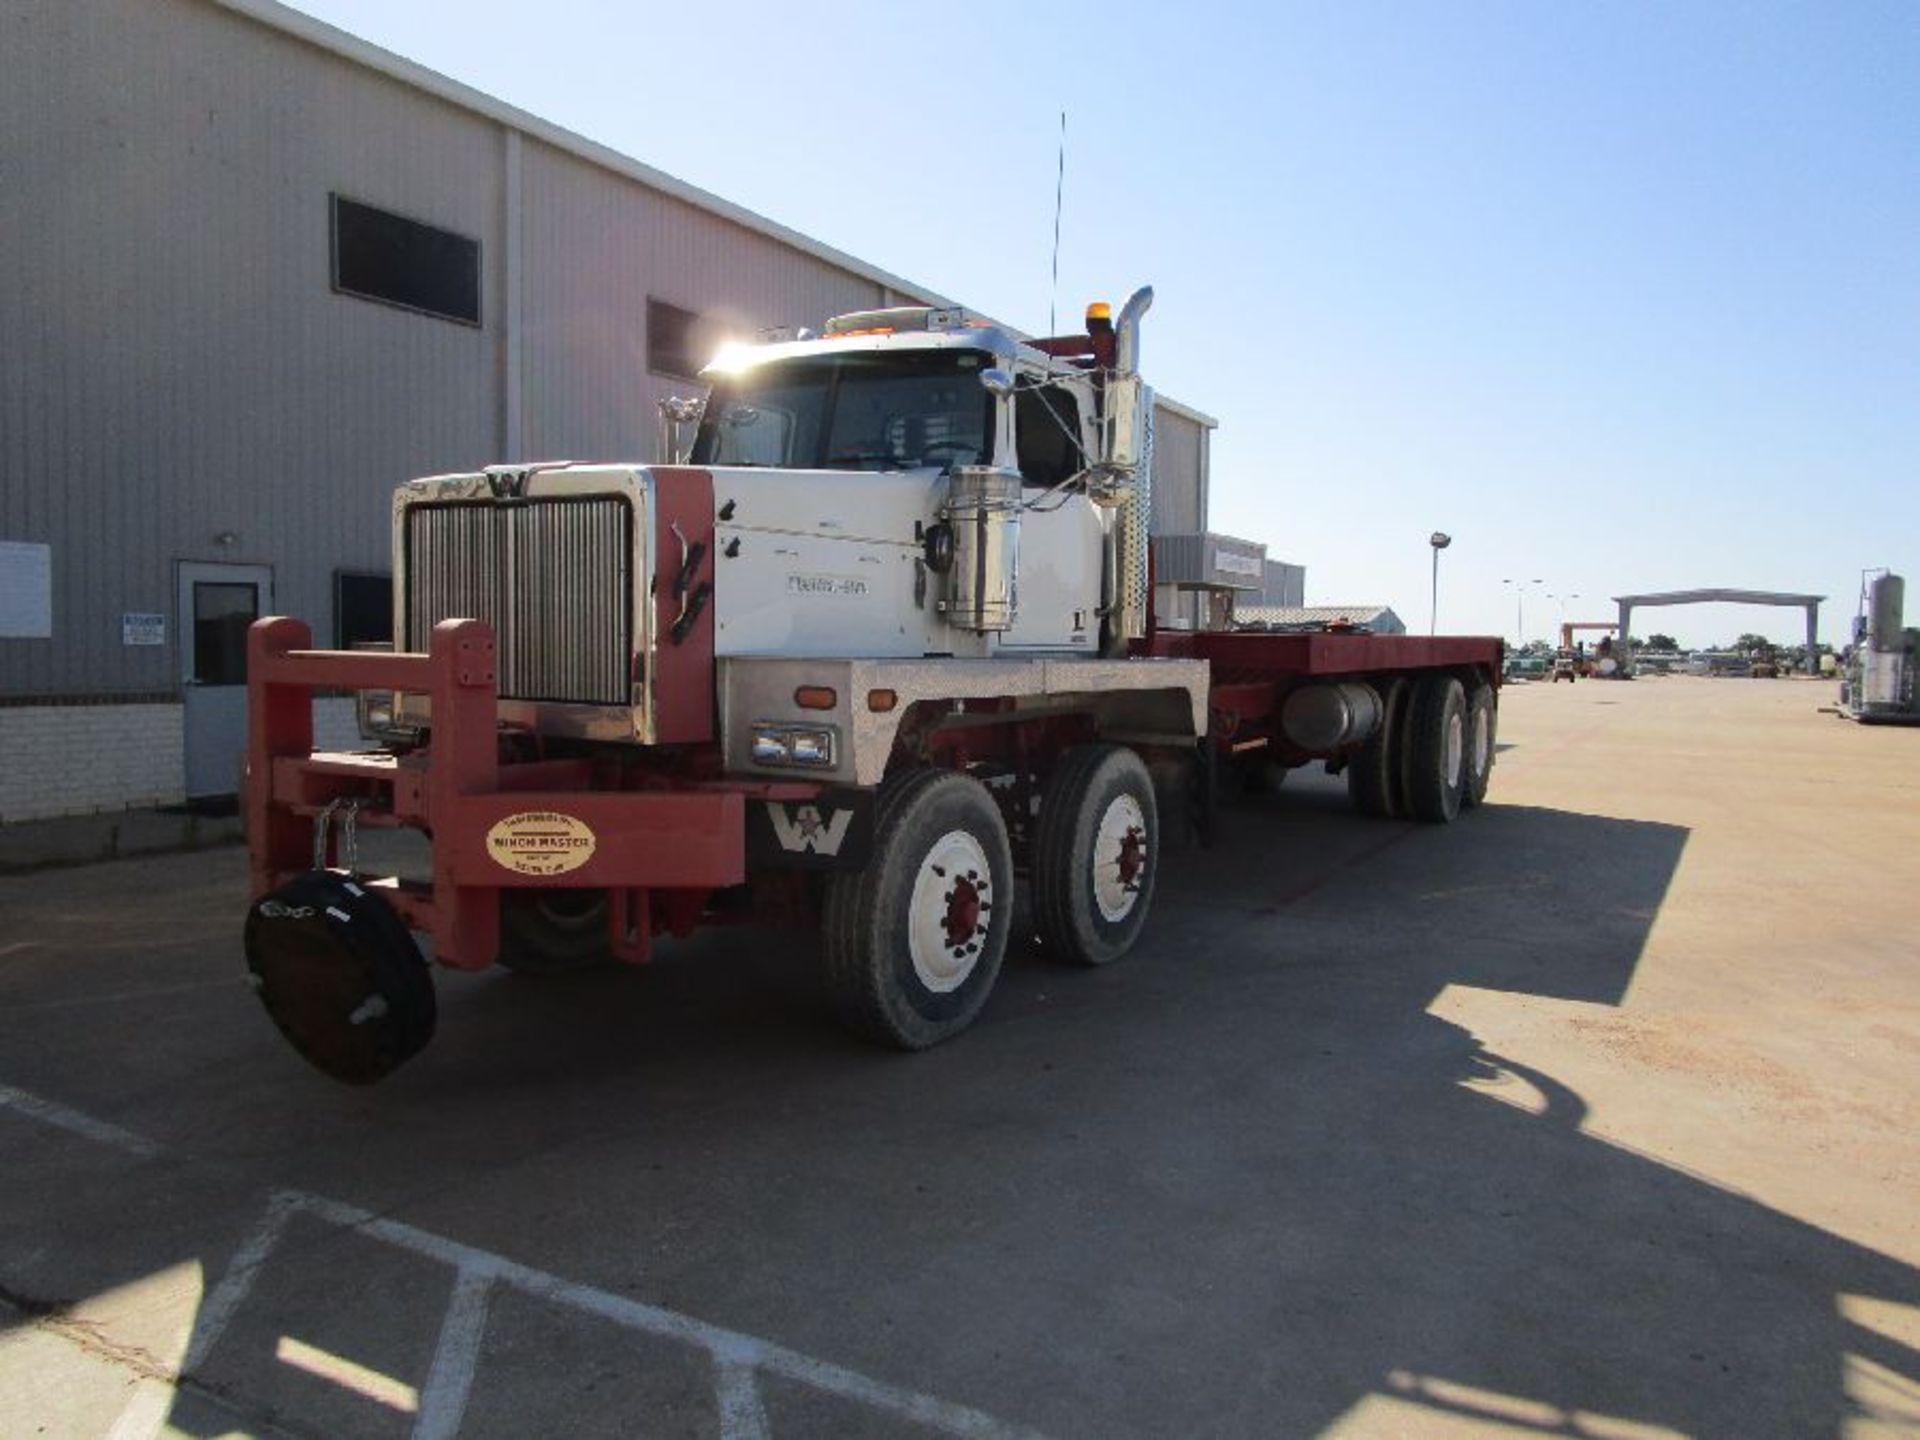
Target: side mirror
[(998, 381)]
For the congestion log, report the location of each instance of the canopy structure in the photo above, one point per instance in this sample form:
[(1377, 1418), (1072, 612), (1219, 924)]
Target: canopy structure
[(1809, 603)]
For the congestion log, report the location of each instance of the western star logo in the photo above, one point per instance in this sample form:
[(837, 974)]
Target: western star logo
[(806, 829), (850, 586), (540, 842)]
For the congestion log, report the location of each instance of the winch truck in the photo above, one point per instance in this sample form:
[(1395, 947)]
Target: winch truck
[(873, 648)]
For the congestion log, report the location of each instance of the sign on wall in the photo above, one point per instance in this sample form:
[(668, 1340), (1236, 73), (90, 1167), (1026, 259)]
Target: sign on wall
[(143, 629), (26, 590), (1228, 563)]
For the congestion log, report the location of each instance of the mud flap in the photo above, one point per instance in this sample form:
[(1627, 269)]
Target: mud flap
[(832, 831)]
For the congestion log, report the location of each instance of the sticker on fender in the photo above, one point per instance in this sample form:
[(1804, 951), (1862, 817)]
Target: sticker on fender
[(540, 842)]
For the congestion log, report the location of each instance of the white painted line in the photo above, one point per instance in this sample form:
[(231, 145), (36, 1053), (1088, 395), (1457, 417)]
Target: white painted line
[(737, 1358), (456, 1358), (723, 1344), (146, 1412), (61, 1118), (742, 1417), (217, 1310)]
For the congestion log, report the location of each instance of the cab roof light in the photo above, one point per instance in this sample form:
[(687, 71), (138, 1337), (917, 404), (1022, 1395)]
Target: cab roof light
[(901, 317)]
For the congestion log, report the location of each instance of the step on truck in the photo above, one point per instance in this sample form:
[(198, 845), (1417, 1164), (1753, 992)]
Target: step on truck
[(870, 652)]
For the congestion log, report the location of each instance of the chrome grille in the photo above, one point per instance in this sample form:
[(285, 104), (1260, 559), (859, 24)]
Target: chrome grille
[(553, 578)]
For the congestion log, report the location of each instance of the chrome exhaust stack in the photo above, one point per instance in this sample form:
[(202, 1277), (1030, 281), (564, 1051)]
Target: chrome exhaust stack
[(1128, 432), (1126, 331)]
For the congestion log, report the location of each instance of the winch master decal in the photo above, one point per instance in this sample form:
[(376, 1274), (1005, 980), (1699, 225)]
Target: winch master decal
[(540, 842)]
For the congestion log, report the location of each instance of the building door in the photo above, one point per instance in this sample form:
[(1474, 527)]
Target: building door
[(217, 604)]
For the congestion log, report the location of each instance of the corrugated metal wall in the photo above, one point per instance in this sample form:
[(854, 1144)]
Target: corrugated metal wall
[(176, 364), (178, 369), (596, 248), (1179, 471), (1284, 584)]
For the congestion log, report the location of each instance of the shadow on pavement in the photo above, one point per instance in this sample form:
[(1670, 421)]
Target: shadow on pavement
[(1237, 1185)]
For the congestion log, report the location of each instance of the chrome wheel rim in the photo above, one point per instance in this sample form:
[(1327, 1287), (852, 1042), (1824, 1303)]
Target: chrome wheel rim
[(950, 912), (1456, 748), (1482, 742), (1119, 858)]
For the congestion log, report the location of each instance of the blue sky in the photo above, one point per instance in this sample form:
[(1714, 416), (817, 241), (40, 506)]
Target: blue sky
[(1626, 297)]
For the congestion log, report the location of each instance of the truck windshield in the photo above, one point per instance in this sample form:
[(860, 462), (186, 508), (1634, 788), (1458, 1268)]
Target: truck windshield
[(869, 411)]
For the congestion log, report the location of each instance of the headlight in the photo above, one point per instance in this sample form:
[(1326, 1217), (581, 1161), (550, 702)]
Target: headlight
[(810, 746), (374, 710)]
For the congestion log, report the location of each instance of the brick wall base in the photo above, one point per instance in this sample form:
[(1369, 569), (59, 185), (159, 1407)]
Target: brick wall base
[(88, 759), (82, 759)]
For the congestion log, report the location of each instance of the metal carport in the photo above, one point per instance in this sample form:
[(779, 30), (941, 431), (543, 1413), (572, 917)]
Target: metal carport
[(1809, 603)]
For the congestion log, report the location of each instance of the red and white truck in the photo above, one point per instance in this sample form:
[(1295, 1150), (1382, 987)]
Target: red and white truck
[(872, 652)]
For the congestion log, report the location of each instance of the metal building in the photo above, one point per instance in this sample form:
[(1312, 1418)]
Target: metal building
[(1285, 585), (258, 273), (1380, 619)]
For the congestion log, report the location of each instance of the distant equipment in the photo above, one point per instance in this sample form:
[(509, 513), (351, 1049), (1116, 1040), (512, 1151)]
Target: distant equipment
[(1602, 663), (1879, 679)]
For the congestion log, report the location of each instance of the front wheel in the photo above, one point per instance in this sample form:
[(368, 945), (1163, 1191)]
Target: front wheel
[(913, 943), (1095, 853), (554, 931)]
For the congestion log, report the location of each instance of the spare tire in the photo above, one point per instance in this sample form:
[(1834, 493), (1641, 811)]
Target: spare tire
[(340, 976)]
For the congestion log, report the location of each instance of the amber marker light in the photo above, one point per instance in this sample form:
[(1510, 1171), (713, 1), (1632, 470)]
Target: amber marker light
[(881, 701), (816, 697), (1101, 312)]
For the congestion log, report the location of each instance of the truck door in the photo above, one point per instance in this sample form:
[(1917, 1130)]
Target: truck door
[(1060, 542), (216, 605)]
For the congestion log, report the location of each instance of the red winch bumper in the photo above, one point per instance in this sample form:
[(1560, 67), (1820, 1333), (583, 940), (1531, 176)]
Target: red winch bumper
[(495, 823)]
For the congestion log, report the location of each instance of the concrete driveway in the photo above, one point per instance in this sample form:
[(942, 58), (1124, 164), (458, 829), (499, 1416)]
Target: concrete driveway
[(1593, 1115)]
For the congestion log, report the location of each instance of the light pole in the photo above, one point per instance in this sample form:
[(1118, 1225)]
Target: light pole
[(1561, 601), (1439, 541), (1519, 608)]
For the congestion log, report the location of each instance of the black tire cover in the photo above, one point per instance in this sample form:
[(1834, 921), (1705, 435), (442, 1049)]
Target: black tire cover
[(340, 975)]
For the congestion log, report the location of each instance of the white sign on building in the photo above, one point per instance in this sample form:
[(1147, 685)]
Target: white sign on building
[(143, 629), (1230, 563), (26, 590)]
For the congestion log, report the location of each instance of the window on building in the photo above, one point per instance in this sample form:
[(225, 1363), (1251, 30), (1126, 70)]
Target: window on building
[(1046, 432), (362, 609), (679, 342), (221, 615), (381, 256)]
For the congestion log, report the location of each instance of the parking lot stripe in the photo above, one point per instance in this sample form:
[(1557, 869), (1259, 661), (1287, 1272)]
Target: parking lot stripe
[(62, 1118), (217, 1310), (741, 1415), (146, 1412), (738, 1359), (456, 1358)]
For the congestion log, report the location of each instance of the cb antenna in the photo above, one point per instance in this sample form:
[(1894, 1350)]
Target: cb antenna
[(1059, 190)]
